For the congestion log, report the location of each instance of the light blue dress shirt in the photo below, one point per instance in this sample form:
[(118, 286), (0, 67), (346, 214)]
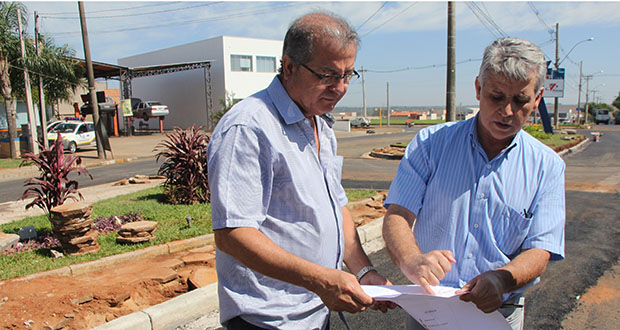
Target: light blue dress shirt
[(264, 173), (484, 211)]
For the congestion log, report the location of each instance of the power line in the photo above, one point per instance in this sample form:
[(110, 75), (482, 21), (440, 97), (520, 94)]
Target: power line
[(486, 20), (136, 14), (187, 22), (422, 67), (540, 19), (389, 20), (116, 9), (371, 16), (43, 75)]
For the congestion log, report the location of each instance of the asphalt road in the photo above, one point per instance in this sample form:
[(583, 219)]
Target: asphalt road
[(355, 173), (592, 232)]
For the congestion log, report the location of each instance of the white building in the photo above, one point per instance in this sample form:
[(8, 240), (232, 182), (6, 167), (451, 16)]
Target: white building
[(241, 66)]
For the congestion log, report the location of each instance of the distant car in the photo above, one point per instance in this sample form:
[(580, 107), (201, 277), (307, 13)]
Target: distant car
[(108, 106), (602, 116), (360, 122), (148, 109), (75, 134)]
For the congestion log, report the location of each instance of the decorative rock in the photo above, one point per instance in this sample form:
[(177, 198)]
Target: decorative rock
[(55, 254), (139, 226), (199, 258), (162, 275), (133, 240), (72, 225), (138, 181), (7, 241), (57, 326), (172, 263), (27, 233), (199, 278), (83, 299), (137, 232), (122, 182), (118, 299)]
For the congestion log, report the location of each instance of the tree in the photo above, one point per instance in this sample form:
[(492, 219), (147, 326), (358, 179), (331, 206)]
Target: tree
[(61, 74), (226, 105), (616, 102), (9, 48)]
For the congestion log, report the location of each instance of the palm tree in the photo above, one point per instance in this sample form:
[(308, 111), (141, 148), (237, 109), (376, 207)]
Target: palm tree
[(9, 47), (60, 71)]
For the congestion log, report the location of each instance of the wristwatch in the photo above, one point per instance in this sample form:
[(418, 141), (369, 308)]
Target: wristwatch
[(364, 271)]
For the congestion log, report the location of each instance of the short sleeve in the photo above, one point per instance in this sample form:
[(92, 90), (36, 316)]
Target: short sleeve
[(240, 178), (409, 184), (549, 213)]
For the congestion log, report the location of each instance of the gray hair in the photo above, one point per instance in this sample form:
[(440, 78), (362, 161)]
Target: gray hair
[(301, 36), (515, 59)]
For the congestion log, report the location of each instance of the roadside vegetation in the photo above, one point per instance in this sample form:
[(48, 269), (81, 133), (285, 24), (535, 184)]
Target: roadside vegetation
[(10, 162), (150, 204)]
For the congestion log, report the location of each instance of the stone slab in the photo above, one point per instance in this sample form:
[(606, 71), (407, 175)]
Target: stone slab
[(183, 309), (199, 258), (7, 241)]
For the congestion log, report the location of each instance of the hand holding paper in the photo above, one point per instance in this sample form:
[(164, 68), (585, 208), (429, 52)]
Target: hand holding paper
[(441, 311)]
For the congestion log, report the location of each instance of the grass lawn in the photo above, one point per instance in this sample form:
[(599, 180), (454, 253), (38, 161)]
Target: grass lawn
[(171, 226), (10, 162), (402, 121)]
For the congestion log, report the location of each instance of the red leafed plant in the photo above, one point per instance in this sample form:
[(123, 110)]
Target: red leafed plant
[(53, 187), (185, 167)]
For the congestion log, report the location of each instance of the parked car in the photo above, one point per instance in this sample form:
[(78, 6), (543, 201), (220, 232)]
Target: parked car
[(617, 120), (360, 122), (602, 116), (74, 133), (148, 109), (108, 106)]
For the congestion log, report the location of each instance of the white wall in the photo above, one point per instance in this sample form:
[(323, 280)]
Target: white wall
[(184, 92)]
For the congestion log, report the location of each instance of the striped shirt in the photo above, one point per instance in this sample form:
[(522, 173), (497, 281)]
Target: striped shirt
[(265, 173), (484, 211)]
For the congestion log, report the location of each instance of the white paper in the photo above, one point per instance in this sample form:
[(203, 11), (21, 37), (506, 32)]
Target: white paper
[(443, 311)]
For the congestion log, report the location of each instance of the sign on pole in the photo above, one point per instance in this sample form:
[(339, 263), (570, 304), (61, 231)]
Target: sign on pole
[(554, 83), (126, 107)]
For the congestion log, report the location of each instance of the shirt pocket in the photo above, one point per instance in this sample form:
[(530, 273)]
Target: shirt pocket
[(511, 231)]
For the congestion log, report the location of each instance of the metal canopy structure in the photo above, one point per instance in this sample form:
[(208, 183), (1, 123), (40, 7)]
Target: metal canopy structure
[(126, 74)]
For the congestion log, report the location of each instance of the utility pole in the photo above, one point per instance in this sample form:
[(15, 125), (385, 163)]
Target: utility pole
[(579, 93), (91, 82), (388, 103), (557, 64), (451, 71), (32, 121), (364, 93), (587, 78), (42, 115)]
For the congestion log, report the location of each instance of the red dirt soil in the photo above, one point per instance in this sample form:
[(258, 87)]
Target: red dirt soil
[(88, 300)]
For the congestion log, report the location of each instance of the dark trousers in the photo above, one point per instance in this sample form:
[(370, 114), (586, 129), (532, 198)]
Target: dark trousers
[(238, 323)]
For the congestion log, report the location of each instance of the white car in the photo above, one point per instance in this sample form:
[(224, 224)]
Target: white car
[(148, 109), (74, 133)]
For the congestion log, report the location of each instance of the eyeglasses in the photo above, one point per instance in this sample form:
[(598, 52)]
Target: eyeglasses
[(332, 79)]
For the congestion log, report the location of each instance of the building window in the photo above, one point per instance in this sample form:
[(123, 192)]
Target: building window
[(265, 64), (241, 63)]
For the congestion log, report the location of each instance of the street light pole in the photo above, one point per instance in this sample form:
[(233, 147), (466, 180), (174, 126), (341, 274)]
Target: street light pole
[(557, 65), (579, 93)]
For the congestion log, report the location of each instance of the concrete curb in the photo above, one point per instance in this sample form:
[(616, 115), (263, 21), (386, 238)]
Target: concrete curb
[(192, 305), (584, 143), (151, 251)]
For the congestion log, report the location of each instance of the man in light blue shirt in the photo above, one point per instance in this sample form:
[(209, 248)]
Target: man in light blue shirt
[(485, 199), (279, 212)]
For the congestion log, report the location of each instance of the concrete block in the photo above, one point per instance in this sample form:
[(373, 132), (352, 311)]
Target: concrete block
[(371, 230), (134, 321), (184, 308)]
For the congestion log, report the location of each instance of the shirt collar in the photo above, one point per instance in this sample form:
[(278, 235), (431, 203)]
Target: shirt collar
[(473, 134), (287, 108)]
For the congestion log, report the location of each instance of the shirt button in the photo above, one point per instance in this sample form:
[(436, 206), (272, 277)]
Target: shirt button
[(476, 225), (489, 166), (470, 255), (482, 195)]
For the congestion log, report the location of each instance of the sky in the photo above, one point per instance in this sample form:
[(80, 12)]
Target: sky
[(404, 44)]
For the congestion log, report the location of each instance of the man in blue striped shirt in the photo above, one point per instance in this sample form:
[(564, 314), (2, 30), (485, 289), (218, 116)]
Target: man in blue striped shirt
[(279, 212), (485, 199)]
